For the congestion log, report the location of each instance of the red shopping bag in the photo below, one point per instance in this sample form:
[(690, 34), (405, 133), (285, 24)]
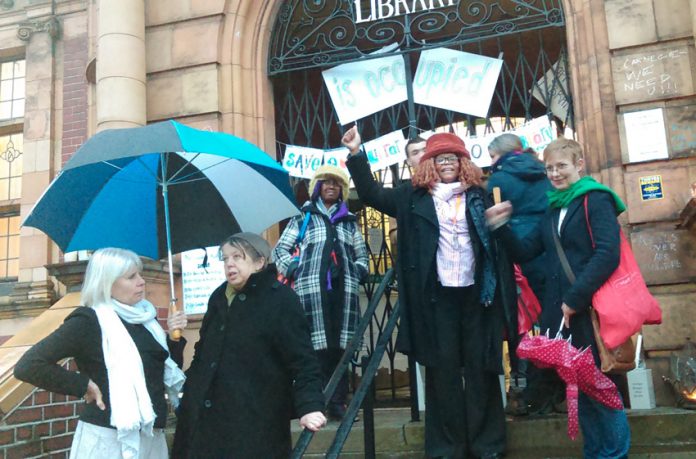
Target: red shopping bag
[(623, 303), (528, 307)]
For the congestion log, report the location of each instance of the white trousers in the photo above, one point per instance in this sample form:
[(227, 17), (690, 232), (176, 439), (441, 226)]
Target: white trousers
[(92, 441)]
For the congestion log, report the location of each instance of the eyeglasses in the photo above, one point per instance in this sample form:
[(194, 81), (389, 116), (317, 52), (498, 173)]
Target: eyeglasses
[(557, 168), (446, 159)]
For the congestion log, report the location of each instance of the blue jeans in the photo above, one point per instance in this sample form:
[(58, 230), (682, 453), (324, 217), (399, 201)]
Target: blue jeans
[(605, 430)]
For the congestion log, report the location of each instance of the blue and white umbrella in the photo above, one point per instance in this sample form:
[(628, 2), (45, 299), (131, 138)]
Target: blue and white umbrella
[(162, 189)]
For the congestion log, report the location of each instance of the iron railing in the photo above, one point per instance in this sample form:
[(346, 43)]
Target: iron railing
[(371, 363)]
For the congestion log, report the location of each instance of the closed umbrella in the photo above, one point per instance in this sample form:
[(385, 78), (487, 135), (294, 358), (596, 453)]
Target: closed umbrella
[(162, 189), (575, 367)]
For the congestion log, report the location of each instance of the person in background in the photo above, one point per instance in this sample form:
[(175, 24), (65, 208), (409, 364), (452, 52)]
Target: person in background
[(414, 149), (451, 320), (592, 258), (123, 358), (333, 261), (521, 178), (253, 367)]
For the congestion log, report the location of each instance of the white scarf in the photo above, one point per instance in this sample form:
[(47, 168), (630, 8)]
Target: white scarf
[(131, 407), (445, 191)]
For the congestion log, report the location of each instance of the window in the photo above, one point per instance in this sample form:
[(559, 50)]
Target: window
[(9, 246), (11, 147), (12, 89)]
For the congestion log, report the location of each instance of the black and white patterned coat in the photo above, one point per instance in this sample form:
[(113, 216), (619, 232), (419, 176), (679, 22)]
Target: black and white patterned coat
[(310, 276)]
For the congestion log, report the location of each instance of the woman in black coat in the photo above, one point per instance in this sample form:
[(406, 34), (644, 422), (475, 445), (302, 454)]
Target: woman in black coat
[(592, 258), (449, 319), (254, 366)]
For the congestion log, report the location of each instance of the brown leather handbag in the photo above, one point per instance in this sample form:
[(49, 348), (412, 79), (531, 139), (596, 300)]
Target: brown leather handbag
[(619, 360)]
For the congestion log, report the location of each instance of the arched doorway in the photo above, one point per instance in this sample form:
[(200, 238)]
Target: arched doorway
[(310, 36)]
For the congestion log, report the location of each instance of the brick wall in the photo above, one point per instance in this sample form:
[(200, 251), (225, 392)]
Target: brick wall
[(41, 426), (74, 96)]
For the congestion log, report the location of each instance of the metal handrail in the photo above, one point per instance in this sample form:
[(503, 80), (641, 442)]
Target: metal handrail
[(365, 385), (307, 435)]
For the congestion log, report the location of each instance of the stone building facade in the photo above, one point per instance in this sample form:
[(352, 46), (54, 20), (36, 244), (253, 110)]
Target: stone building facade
[(92, 65)]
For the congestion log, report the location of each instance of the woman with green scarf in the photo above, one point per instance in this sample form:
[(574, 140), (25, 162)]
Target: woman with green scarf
[(577, 205)]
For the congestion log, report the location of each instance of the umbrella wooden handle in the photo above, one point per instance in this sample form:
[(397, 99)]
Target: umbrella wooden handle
[(496, 195), (175, 334)]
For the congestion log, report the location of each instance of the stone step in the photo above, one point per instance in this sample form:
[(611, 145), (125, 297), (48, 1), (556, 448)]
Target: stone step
[(656, 434)]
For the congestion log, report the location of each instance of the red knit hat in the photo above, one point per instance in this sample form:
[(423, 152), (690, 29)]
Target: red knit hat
[(444, 142)]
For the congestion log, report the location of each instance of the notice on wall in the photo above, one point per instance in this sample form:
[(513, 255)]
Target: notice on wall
[(199, 279), (681, 130), (651, 188), (359, 89), (455, 80), (646, 138)]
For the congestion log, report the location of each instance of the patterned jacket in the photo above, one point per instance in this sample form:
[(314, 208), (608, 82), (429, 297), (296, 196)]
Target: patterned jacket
[(311, 273)]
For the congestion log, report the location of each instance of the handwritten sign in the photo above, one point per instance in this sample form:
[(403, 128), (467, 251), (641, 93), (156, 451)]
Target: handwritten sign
[(536, 134), (646, 139), (359, 89), (664, 256), (653, 75), (381, 152), (651, 187), (199, 281), (455, 80), (552, 91)]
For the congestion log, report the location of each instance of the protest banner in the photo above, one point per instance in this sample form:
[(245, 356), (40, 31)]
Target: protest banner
[(381, 152), (359, 89), (455, 80), (552, 91)]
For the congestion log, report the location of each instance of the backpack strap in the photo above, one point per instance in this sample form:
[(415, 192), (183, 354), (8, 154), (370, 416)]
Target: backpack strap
[(303, 229)]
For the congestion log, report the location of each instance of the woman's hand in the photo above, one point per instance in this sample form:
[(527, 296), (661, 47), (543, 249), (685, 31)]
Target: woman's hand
[(351, 140), (93, 394), (567, 313), (177, 321), (313, 421), (498, 215)]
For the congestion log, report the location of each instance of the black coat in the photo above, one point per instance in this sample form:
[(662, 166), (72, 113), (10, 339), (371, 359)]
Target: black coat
[(592, 267), (80, 337), (417, 243), (253, 367)]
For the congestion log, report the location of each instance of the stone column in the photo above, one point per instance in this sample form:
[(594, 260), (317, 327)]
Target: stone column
[(693, 16), (34, 291), (121, 75), (592, 89)]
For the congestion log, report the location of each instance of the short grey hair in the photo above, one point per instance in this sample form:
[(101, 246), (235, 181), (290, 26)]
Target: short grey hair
[(505, 143), (104, 268)]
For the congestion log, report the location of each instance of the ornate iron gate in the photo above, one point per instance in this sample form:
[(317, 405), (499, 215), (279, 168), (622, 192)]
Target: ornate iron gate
[(311, 35)]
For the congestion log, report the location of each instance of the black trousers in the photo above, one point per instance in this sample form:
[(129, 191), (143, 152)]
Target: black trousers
[(328, 360), (461, 416)]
